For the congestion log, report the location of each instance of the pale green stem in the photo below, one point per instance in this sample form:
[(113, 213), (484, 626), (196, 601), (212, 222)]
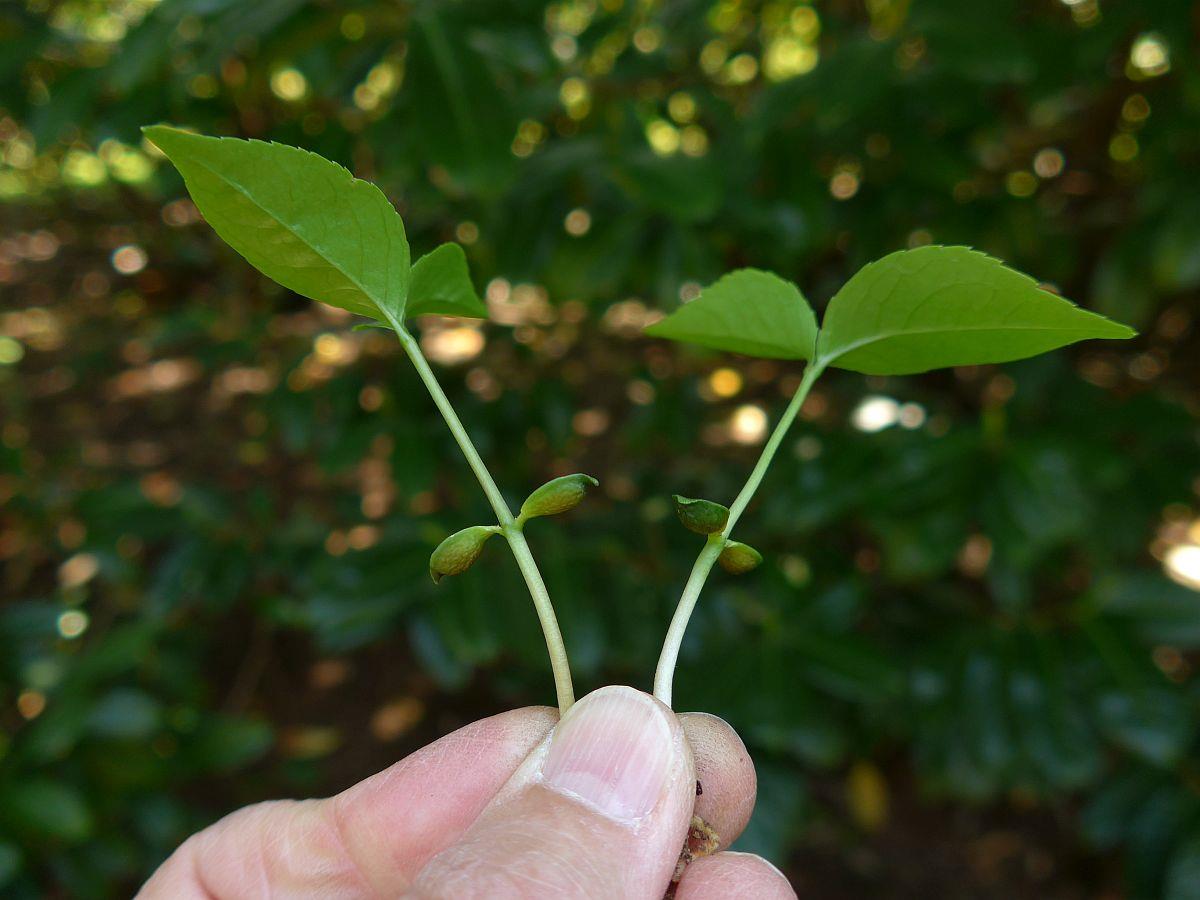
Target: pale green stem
[(664, 675), (508, 525), (545, 611)]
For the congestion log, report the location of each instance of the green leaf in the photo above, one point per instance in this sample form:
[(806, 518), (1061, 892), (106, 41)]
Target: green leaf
[(298, 218), (700, 516), (441, 285), (933, 307), (748, 311)]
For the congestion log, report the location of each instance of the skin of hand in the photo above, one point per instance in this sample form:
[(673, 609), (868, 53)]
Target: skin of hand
[(516, 805)]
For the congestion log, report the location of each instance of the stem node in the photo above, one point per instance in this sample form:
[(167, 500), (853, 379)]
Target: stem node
[(664, 675)]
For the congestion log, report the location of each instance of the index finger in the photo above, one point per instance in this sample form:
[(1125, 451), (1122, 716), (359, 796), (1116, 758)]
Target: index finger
[(370, 839)]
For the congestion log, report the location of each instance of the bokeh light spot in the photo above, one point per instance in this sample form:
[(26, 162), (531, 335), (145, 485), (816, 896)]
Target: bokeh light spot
[(725, 383), (289, 84), (72, 623), (577, 222), (11, 351), (1048, 163), (663, 137), (1182, 565), (843, 185), (748, 425), (1149, 57), (875, 413), (129, 259)]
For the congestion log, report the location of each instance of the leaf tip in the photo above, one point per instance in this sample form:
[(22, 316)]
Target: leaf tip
[(170, 138), (1123, 332), (654, 329), (155, 133)]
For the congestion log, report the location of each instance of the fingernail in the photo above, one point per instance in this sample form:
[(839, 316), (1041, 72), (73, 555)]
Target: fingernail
[(613, 749)]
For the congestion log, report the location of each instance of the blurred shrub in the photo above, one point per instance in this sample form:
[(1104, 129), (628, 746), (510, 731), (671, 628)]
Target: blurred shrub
[(218, 502)]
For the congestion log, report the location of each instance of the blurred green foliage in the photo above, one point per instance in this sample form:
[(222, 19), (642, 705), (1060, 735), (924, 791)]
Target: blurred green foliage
[(218, 501)]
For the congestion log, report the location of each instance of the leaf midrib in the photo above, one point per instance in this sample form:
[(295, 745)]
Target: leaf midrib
[(291, 230), (884, 336), (711, 343)]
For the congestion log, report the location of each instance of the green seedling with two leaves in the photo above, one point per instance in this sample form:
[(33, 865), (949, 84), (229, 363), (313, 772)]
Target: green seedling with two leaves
[(317, 230)]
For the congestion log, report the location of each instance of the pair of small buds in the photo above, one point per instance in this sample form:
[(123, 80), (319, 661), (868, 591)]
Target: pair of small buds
[(456, 553), (708, 518)]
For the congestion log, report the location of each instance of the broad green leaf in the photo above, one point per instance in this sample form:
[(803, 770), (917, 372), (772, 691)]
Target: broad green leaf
[(748, 311), (298, 218), (933, 307), (441, 285)]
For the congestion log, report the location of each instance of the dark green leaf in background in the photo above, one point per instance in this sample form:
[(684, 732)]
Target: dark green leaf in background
[(1183, 873), (10, 862), (461, 118), (41, 808)]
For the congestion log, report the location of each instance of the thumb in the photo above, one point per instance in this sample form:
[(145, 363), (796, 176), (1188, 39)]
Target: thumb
[(599, 809)]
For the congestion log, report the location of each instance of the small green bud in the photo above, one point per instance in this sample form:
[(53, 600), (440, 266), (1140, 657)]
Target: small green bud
[(557, 495), (739, 558), (456, 553), (701, 516)]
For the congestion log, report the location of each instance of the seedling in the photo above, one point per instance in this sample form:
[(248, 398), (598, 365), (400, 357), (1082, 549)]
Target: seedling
[(314, 228)]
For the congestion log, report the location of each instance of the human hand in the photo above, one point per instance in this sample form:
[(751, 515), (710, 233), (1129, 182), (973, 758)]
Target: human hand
[(517, 805)]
